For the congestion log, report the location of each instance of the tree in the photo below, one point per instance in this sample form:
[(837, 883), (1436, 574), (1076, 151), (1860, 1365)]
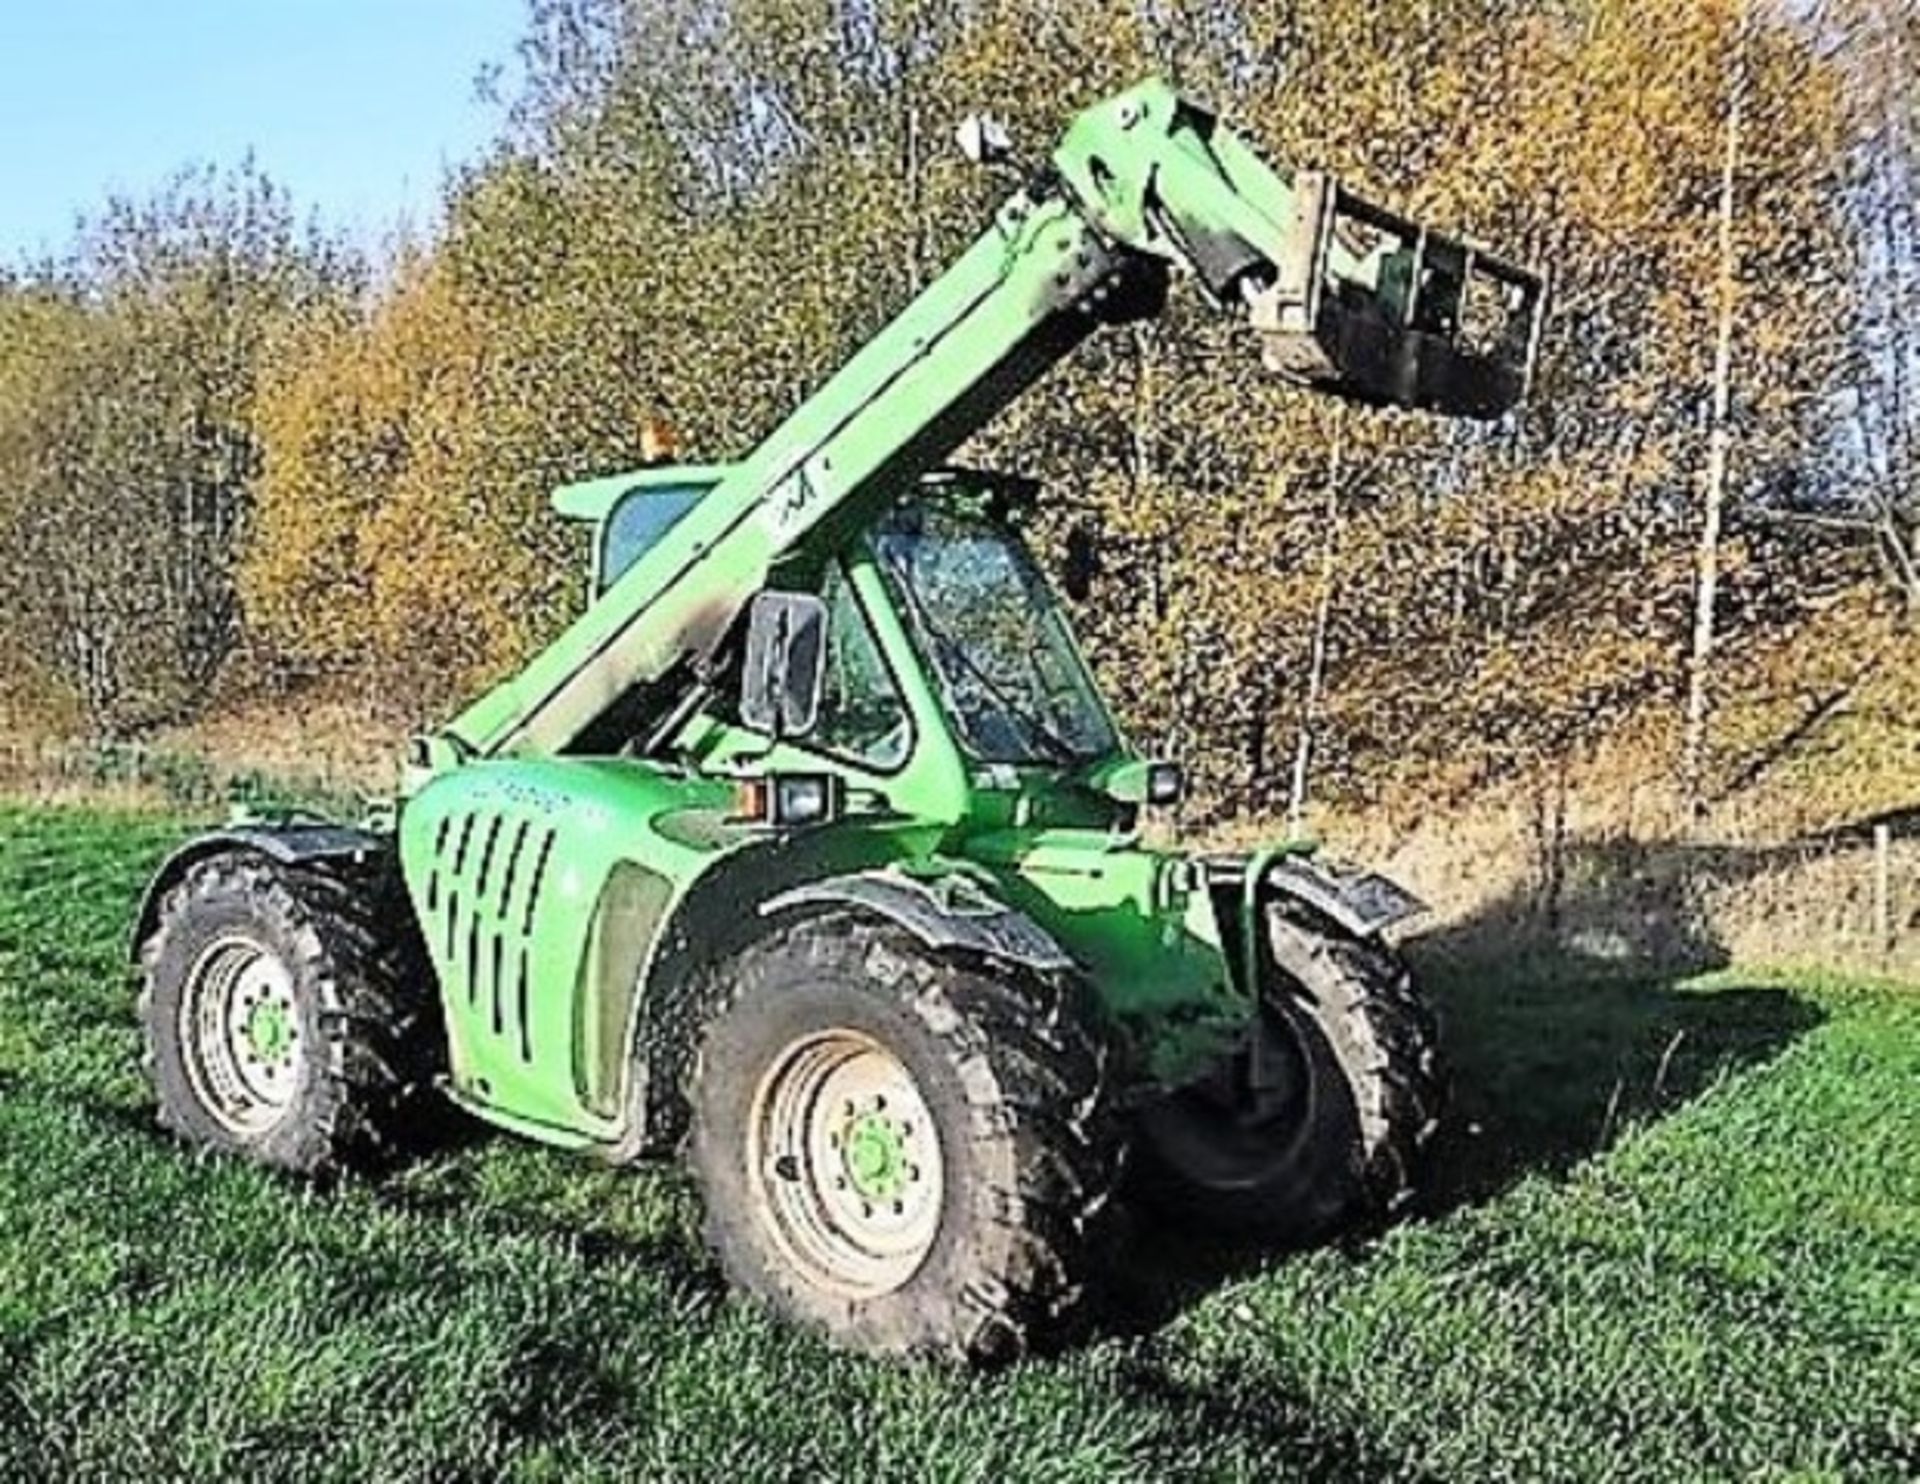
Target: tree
[(702, 211), (1727, 280), (1878, 43), (126, 441)]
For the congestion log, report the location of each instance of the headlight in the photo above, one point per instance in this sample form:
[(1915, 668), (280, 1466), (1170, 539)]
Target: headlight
[(789, 800)]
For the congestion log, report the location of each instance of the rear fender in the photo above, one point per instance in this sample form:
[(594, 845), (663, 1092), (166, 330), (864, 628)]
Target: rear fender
[(287, 845)]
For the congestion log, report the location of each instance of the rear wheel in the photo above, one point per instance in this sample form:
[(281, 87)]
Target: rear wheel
[(283, 1012), (901, 1150), (1319, 1118)]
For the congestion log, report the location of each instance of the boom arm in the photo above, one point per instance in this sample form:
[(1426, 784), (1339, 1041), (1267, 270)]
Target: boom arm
[(1347, 299)]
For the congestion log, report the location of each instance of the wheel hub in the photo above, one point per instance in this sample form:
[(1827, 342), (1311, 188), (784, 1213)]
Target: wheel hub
[(874, 1152), (240, 1034), (270, 1032)]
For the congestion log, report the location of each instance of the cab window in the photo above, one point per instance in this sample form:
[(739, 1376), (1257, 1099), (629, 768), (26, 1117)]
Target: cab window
[(637, 522), (862, 715)]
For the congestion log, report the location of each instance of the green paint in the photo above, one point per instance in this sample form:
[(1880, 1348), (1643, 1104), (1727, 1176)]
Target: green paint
[(989, 756), (874, 1151), (270, 1032)]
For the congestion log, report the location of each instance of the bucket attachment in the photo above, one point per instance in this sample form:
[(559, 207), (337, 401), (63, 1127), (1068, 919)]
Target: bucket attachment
[(1374, 307)]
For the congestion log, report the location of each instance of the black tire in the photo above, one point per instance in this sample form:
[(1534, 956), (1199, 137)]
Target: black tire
[(361, 1036), (1328, 1132), (1012, 1070)]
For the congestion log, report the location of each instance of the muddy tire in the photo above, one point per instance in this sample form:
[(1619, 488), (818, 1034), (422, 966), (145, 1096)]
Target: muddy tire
[(902, 1151), (1324, 1127), (286, 1012)]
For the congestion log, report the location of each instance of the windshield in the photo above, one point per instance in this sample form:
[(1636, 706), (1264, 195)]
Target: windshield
[(1008, 672)]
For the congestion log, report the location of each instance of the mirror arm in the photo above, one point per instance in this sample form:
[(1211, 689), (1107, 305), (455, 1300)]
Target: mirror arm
[(678, 715)]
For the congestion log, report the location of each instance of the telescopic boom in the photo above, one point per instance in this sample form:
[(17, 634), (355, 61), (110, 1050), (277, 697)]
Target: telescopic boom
[(1344, 297)]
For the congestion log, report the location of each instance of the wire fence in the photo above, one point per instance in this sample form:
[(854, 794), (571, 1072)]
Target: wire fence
[(1845, 899)]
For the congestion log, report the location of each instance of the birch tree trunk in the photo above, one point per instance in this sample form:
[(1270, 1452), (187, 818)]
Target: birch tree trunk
[(1317, 655), (1707, 584)]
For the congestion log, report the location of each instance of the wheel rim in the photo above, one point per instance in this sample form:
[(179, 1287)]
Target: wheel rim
[(240, 1032), (1246, 1117), (846, 1161)]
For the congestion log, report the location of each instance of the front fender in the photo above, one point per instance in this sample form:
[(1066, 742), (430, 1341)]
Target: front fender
[(1364, 903), (951, 912)]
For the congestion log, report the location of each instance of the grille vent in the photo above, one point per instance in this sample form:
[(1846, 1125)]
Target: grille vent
[(483, 897)]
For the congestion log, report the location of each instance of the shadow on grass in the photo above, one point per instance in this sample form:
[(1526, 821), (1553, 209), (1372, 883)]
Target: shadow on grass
[(1551, 1062), (1294, 1438), (1567, 1017), (671, 1253)]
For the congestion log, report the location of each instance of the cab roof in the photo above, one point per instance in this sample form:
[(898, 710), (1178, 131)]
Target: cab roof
[(591, 499)]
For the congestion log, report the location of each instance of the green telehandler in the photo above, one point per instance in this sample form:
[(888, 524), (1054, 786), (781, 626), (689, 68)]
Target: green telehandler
[(812, 850)]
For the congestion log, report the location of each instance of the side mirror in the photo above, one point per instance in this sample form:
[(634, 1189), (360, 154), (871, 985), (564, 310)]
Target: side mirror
[(785, 663), (1082, 563)]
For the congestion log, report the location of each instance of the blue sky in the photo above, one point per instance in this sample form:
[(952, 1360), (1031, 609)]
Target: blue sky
[(353, 105)]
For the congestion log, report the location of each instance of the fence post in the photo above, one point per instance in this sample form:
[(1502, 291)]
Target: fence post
[(1883, 887)]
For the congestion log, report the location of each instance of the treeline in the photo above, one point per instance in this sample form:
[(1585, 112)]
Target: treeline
[(235, 455)]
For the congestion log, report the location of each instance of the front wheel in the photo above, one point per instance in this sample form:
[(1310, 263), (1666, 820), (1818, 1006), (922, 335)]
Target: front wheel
[(901, 1150), (1319, 1119)]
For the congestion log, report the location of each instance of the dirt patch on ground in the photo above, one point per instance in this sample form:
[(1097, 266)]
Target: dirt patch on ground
[(327, 755)]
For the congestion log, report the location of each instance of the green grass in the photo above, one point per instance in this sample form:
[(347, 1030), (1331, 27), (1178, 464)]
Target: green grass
[(1677, 1235)]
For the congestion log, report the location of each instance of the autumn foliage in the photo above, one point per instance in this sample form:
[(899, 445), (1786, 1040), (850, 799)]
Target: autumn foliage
[(700, 213)]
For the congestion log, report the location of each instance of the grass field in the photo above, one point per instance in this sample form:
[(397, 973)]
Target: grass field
[(1676, 1234)]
